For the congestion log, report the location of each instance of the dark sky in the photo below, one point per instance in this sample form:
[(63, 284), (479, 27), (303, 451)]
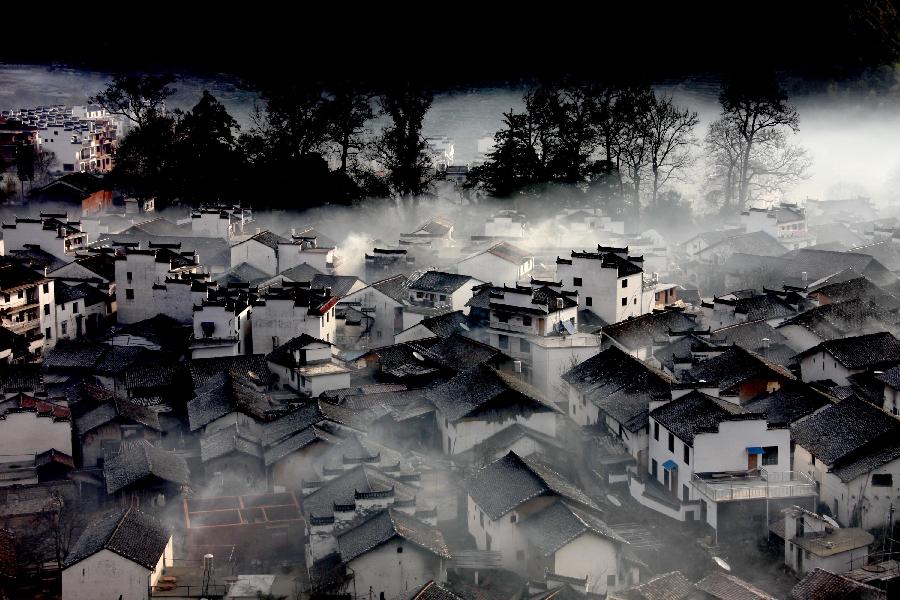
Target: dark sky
[(476, 43)]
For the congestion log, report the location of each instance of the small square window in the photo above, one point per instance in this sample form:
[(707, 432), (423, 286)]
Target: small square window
[(129, 294), (589, 301), (624, 283), (671, 442), (63, 328), (576, 281), (526, 321), (503, 341), (624, 301), (46, 288), (656, 431), (882, 480), (687, 454)]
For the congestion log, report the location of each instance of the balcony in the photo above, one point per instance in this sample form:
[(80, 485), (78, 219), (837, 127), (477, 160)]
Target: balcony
[(529, 329), (754, 485)]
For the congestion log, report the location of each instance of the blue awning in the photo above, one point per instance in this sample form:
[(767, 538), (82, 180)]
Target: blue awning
[(670, 465), (755, 450)]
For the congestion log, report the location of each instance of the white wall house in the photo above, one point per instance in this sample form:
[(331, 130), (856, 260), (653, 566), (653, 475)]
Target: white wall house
[(286, 312), (54, 233), (442, 290), (156, 281), (839, 358), (608, 282), (851, 450), (506, 224), (225, 222), (494, 401), (31, 426), (273, 254), (500, 264), (385, 301), (120, 556), (307, 365), (28, 306), (812, 542), (222, 326)]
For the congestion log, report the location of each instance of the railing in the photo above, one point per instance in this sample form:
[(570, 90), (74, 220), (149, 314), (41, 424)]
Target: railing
[(777, 484)]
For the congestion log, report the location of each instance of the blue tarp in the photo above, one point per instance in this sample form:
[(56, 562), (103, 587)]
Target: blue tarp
[(755, 450), (670, 465)]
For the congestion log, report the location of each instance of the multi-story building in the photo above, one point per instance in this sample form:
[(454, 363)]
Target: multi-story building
[(222, 323), (290, 310), (157, 280), (225, 222), (53, 232), (785, 222), (27, 305), (609, 282)]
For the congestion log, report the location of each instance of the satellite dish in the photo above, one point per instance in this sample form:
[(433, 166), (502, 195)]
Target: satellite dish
[(418, 356), (831, 521), (721, 562), (613, 500), (464, 326)]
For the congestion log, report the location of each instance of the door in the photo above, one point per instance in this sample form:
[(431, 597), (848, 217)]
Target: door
[(799, 560), (752, 461)]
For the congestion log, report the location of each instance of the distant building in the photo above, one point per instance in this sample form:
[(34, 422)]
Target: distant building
[(28, 306), (220, 221), (609, 282), (84, 191), (53, 232), (384, 262), (785, 222), (436, 233), (282, 313), (506, 224), (501, 263), (307, 365), (813, 542)]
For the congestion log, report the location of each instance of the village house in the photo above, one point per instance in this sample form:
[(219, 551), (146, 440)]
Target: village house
[(122, 554), (711, 460), (537, 325), (614, 391), (383, 263), (27, 306), (226, 222), (812, 541), (852, 450), (436, 233), (145, 476), (84, 192), (294, 442), (834, 321), (509, 490), (745, 305), (643, 335), (81, 310), (308, 366), (442, 326), (290, 310), (785, 222), (609, 282), (505, 224), (158, 280), (222, 324), (272, 254), (736, 373), (437, 289), (482, 401), (839, 358), (671, 586), (53, 232), (825, 585), (29, 428), (384, 301), (501, 263)]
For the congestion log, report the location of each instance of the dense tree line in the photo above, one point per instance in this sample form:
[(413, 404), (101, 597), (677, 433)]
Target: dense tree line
[(623, 145), (202, 156)]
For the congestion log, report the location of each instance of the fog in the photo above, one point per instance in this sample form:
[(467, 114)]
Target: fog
[(849, 129)]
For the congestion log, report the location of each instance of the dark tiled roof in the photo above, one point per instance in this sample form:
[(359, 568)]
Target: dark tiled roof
[(759, 243), (117, 408), (862, 351), (447, 324), (13, 274), (162, 330), (35, 257), (302, 272), (764, 307), (69, 293), (267, 238), (485, 388), (733, 367), (396, 287), (509, 253), (142, 377), (340, 284), (242, 273), (303, 417), (641, 332), (225, 393), (748, 335), (722, 586), (296, 441), (132, 534), (457, 352), (284, 354), (252, 366), (669, 586), (141, 460), (825, 585), (695, 413), (859, 288), (788, 404), (433, 591), (512, 480), (852, 437), (890, 377), (385, 526), (228, 440), (343, 489), (440, 282), (68, 354), (21, 378), (558, 524), (837, 319)]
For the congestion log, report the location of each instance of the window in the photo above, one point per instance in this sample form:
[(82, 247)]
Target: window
[(687, 454), (502, 317), (47, 334), (128, 276), (503, 340), (46, 309), (671, 442), (635, 301), (656, 431), (399, 549), (442, 297), (610, 581), (513, 518), (624, 283), (63, 328), (481, 518), (770, 455), (812, 460), (129, 294), (378, 334), (46, 288), (524, 345), (62, 306), (882, 480), (624, 301), (75, 308), (526, 321), (21, 294), (588, 301), (6, 297), (576, 281), (654, 468)]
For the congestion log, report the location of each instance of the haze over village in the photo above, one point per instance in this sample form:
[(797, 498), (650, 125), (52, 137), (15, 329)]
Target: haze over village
[(539, 336)]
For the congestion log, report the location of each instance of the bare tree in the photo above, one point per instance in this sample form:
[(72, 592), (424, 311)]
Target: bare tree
[(671, 138), (752, 134), (634, 106)]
